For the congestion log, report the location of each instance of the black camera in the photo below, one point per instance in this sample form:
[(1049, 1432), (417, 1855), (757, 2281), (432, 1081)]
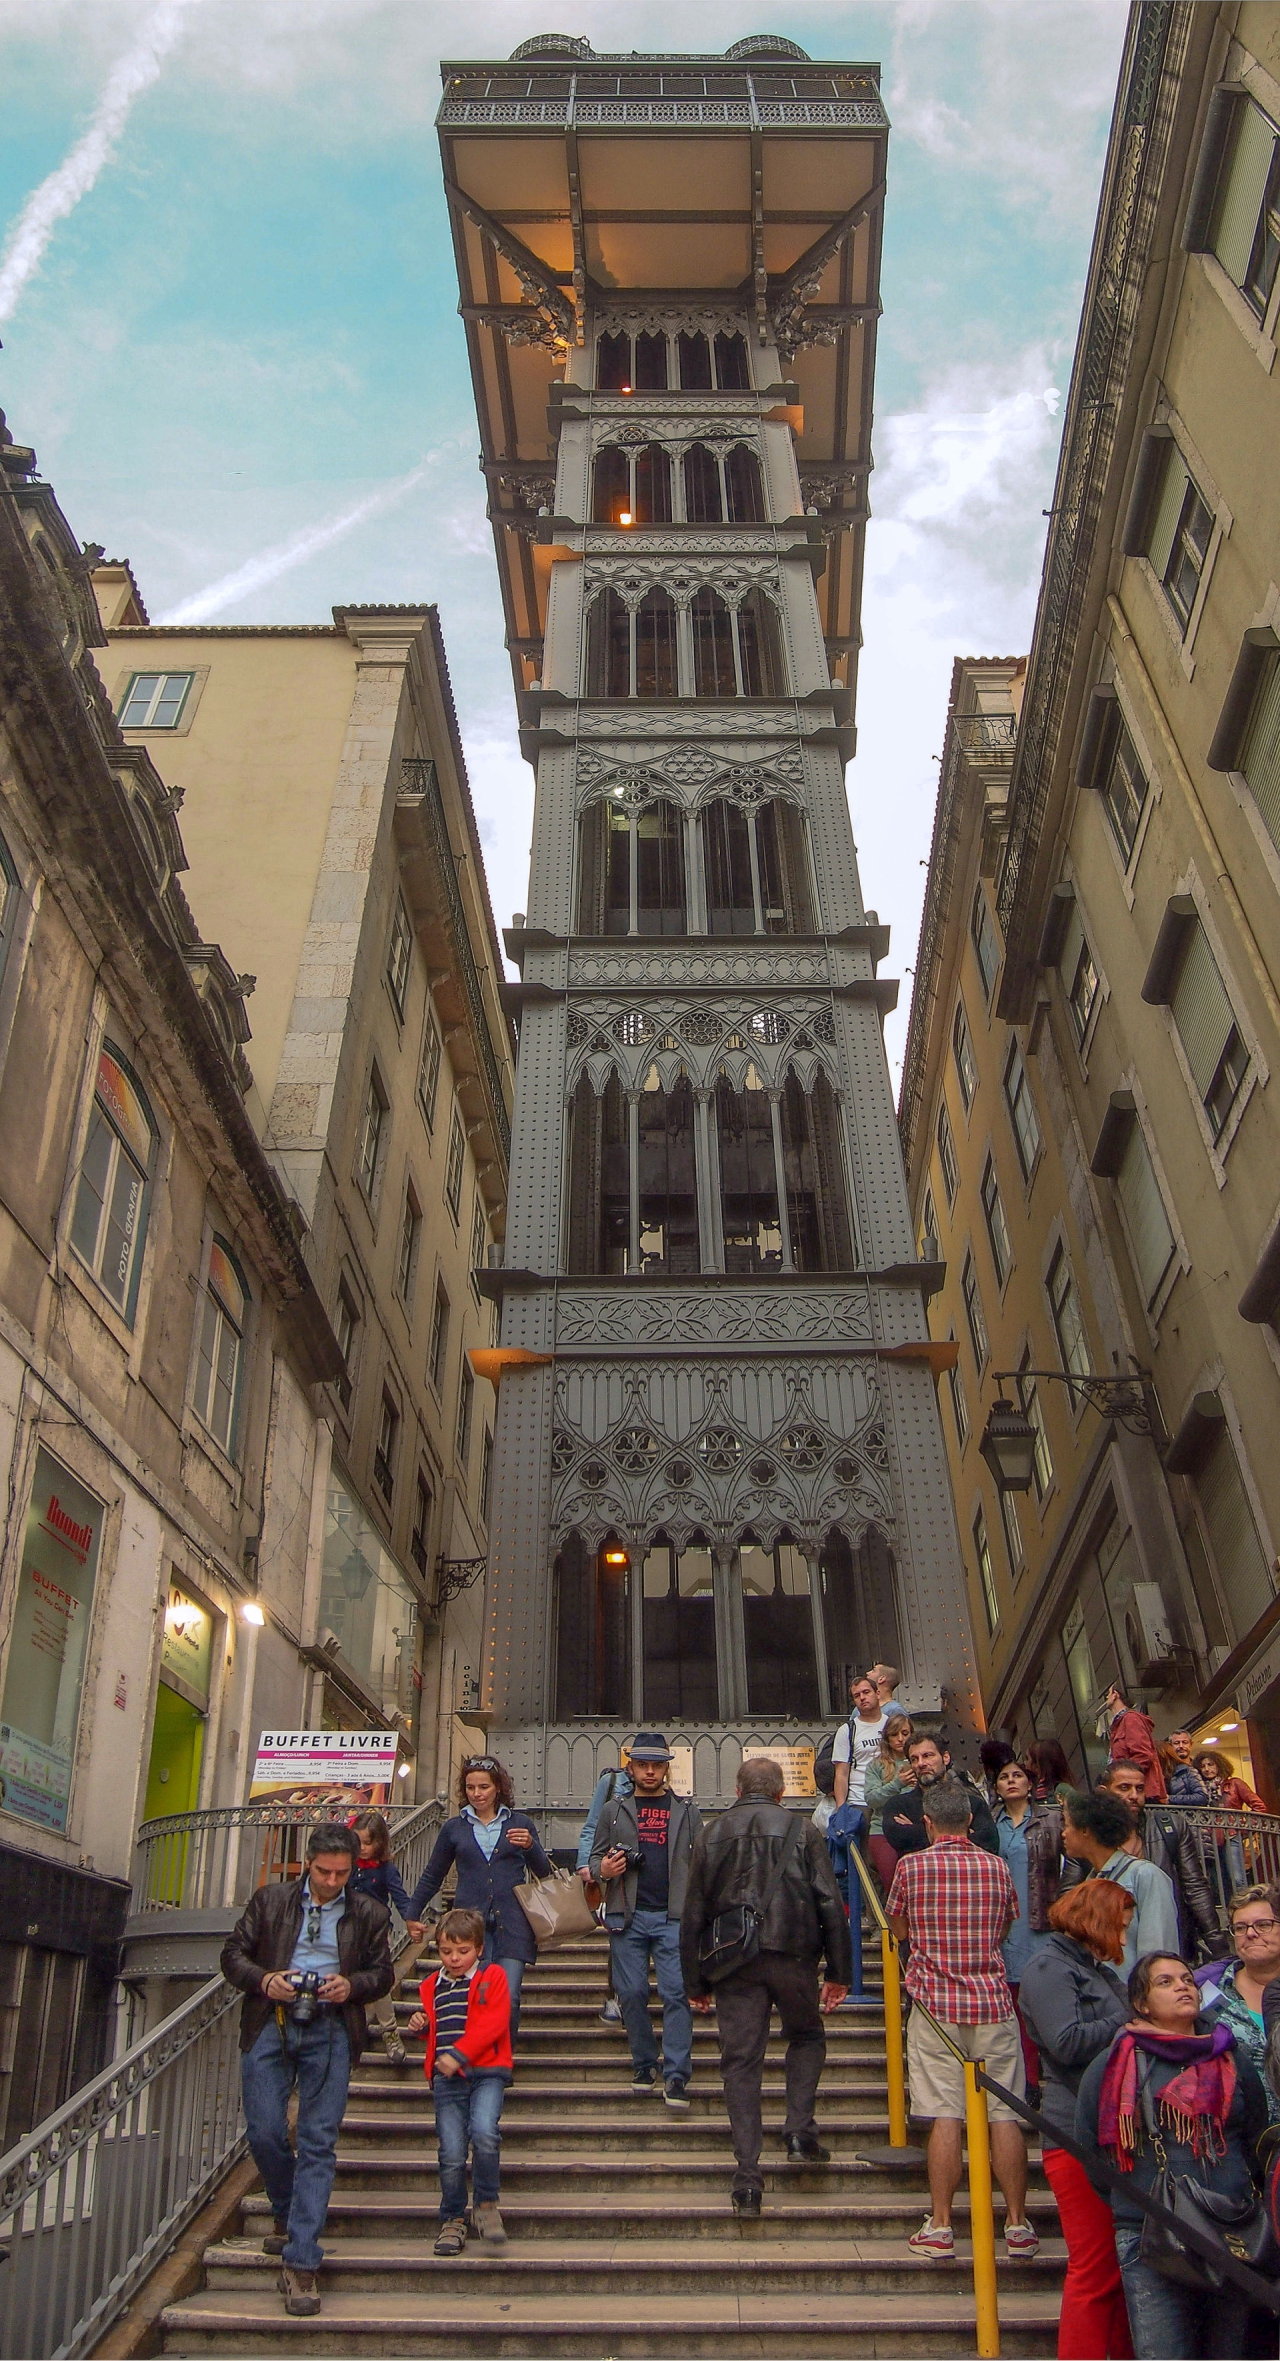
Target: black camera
[(632, 1859), (306, 1996)]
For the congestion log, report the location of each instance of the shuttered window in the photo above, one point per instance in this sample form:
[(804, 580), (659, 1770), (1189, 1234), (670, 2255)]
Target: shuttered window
[(1247, 1586), (966, 1065), (1124, 788), (1079, 975), (974, 1313), (986, 1573), (1164, 523), (1150, 1237), (1247, 191), (1260, 753), (947, 1155), (1207, 1030), (1068, 1323), (1026, 1127)]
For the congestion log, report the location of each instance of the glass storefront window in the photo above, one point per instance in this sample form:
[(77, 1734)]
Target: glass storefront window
[(366, 1600), (45, 1673)]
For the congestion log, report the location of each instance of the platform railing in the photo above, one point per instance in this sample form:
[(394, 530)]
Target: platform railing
[(209, 1860), (1238, 1848)]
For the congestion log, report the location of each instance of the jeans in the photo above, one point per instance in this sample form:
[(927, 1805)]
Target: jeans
[(317, 2057), (468, 2110), (513, 1970), (845, 1829), (1093, 2324), (773, 1979), (1172, 2323), (651, 1931)]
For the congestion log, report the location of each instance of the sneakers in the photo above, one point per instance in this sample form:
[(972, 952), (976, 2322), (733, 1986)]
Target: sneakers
[(645, 2080), (277, 2240), (611, 2013), (933, 2241), (1020, 2241), (675, 2093), (746, 2204), (452, 2238), (300, 2291), (394, 2047), (488, 2222)]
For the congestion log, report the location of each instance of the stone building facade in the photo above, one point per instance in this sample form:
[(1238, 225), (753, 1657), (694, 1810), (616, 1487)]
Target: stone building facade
[(720, 1481), (165, 1358)]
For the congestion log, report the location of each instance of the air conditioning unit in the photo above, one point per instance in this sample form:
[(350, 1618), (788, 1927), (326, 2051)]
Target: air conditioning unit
[(1158, 1660)]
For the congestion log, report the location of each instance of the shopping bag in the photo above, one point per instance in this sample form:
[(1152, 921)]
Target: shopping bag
[(557, 1907)]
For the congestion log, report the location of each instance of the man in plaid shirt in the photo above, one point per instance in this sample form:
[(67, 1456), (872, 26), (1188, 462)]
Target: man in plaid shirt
[(957, 1904)]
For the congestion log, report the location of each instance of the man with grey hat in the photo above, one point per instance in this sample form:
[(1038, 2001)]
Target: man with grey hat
[(643, 1845)]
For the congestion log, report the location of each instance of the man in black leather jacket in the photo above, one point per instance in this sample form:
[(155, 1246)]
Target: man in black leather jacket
[(1176, 1848), (903, 1822), (733, 1863)]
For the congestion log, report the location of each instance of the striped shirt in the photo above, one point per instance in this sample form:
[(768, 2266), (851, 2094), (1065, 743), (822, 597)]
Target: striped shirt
[(955, 1898), (453, 1996)]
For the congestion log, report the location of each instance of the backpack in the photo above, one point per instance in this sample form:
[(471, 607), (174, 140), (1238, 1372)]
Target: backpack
[(824, 1769)]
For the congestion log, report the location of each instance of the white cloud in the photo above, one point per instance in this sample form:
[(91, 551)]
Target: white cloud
[(61, 191)]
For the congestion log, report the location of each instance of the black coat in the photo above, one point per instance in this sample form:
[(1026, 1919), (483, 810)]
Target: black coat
[(263, 1940), (903, 1822), (1073, 2007), (733, 1861), (486, 1886)]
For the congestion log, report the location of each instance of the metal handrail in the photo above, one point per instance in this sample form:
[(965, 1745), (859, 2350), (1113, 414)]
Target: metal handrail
[(1237, 1848), (204, 1860)]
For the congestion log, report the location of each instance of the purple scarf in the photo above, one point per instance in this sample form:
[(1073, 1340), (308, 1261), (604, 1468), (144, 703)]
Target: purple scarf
[(1195, 2103)]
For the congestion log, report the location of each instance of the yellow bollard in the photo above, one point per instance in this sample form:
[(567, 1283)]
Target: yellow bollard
[(894, 2074), (982, 2218)]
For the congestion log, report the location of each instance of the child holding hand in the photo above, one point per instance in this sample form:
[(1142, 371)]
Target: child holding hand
[(466, 2016)]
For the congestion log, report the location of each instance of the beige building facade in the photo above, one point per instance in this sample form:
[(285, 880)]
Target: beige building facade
[(332, 840)]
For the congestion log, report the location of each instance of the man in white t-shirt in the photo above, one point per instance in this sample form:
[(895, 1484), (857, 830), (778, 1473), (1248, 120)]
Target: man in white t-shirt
[(856, 1743)]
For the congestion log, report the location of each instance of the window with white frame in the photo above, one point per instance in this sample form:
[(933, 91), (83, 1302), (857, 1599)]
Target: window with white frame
[(1151, 1243), (479, 1232), (947, 1155), (1068, 1320), (966, 1064), (486, 1475), (1079, 974), (372, 1127), (997, 1226), (986, 1573), (1245, 224), (384, 1454), (10, 898), (959, 1402), (429, 1070), (399, 954), (438, 1347), (221, 1348), (929, 1223), (155, 700), (407, 1247), (1123, 784), (454, 1165), (346, 1328), (1259, 755), (108, 1224), (986, 942), (1211, 1039), (1013, 1542), (1180, 533), (974, 1313), (1033, 1411), (1021, 1106), (420, 1538), (1245, 1577)]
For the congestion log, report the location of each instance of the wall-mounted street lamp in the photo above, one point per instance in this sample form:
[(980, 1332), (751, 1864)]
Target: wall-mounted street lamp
[(1009, 1439)]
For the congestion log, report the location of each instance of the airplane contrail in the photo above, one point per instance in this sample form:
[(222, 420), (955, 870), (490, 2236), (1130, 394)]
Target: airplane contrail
[(269, 564), (73, 178)]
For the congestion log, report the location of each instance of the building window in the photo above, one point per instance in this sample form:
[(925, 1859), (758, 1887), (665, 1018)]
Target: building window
[(986, 1572), (453, 1167), (1021, 1106), (399, 954), (407, 1249), (479, 1233), (429, 1071), (439, 1339), (372, 1127), (974, 1313), (9, 902), (1042, 1457), (420, 1538), (947, 1156), (632, 487), (756, 869), (1068, 1322), (959, 1405), (109, 1223), (966, 1064), (1245, 231), (486, 1475), (928, 1228), (1210, 1036), (1013, 1541), (1146, 1221), (1179, 536), (986, 942), (1079, 975), (631, 651), (736, 651), (466, 1397), (631, 877), (648, 364), (1241, 1563), (221, 1347), (346, 1327), (997, 1226), (1259, 756), (154, 700), (384, 1457)]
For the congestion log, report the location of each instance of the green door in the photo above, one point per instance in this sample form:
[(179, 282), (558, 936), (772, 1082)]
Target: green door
[(173, 1784)]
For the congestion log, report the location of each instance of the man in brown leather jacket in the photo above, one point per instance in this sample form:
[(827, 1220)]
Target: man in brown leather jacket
[(311, 1928)]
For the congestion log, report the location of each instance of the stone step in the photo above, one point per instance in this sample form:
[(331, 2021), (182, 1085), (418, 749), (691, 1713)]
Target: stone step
[(646, 2120), (916, 2326), (367, 2188), (390, 2102)]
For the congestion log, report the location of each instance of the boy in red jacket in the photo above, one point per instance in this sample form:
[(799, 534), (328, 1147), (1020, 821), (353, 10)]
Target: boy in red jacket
[(466, 2016)]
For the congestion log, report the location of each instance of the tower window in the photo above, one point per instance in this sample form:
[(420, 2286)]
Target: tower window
[(632, 487), (744, 487), (703, 503), (613, 363), (757, 870), (714, 672), (632, 654), (733, 372), (695, 361), (655, 646)]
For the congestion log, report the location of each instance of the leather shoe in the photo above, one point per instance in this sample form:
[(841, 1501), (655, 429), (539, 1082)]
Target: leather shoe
[(746, 2204), (802, 2151)]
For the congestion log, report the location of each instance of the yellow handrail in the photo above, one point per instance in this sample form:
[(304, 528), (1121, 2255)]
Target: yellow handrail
[(895, 2066)]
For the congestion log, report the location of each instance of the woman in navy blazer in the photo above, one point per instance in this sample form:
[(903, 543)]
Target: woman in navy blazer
[(493, 1846)]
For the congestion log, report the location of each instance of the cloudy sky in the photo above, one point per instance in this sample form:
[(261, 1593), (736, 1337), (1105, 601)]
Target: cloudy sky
[(228, 311)]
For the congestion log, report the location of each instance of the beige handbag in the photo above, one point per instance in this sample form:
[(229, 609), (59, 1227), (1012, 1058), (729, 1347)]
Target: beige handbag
[(557, 1907)]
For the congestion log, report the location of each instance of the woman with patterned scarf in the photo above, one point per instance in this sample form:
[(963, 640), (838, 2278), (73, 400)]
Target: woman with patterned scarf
[(1171, 2068)]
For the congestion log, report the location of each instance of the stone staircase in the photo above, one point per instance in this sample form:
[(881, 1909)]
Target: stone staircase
[(622, 2240)]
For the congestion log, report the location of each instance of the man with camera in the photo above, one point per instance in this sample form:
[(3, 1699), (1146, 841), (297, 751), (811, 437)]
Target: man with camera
[(307, 1956), (643, 1845)]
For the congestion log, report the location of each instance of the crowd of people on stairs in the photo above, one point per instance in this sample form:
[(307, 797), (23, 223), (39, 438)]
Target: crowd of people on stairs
[(1068, 1940)]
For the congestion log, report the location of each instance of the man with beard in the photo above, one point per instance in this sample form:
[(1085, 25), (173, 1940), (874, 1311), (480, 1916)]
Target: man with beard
[(903, 1822), (1159, 1836)]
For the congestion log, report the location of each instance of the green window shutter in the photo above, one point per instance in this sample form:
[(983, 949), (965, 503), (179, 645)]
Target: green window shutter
[(1242, 1568), (1149, 1231), (1201, 1010), (1260, 754), (1164, 524), (1243, 189)]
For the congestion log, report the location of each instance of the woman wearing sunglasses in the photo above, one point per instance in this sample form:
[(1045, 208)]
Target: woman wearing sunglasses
[(492, 1846)]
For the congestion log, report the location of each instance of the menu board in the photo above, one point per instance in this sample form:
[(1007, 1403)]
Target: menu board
[(342, 1769)]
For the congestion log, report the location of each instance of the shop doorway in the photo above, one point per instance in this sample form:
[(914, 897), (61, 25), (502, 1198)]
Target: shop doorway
[(177, 1749)]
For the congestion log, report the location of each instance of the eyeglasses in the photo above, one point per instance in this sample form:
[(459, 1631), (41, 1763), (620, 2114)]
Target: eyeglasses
[(1252, 1926), (313, 1923), (480, 1762)]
